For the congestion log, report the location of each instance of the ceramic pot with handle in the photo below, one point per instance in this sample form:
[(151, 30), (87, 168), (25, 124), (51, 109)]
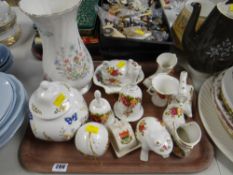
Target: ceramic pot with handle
[(56, 111), (210, 49)]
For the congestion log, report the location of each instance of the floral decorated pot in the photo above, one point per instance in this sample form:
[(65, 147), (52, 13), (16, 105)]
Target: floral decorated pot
[(56, 111), (153, 136), (100, 110), (92, 139), (118, 72)]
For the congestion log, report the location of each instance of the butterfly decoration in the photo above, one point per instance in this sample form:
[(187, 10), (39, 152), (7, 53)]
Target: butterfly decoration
[(30, 116), (69, 120)]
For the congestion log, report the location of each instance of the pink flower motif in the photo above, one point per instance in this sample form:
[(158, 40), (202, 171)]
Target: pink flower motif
[(66, 60)]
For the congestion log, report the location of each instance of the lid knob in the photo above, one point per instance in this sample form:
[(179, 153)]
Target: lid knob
[(97, 95)]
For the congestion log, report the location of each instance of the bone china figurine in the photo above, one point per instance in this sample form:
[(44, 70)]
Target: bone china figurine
[(153, 136), (100, 110)]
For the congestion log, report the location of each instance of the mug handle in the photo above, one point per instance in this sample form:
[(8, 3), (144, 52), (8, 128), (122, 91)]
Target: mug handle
[(150, 91)]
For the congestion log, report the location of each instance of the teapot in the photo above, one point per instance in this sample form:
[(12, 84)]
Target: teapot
[(210, 48)]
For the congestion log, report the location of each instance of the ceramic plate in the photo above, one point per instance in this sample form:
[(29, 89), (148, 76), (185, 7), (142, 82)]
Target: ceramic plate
[(12, 106), (209, 116), (5, 138), (19, 107), (220, 106), (6, 94), (111, 89)]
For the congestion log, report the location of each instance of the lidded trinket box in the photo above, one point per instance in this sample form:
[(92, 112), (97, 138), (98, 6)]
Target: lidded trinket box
[(56, 111)]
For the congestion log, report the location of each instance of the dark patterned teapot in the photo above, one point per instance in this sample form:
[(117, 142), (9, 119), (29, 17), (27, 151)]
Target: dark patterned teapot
[(210, 48)]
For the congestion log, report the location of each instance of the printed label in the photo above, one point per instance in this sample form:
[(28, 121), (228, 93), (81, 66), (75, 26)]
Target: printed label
[(139, 32), (231, 7), (60, 167), (59, 100), (121, 64), (92, 129)]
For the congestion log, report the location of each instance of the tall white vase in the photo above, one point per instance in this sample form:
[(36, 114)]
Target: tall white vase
[(65, 57)]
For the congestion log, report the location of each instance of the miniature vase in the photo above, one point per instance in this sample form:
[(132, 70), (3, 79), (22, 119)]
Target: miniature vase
[(65, 58), (166, 63)]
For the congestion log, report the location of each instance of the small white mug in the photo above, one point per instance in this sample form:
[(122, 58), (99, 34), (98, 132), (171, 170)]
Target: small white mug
[(163, 86)]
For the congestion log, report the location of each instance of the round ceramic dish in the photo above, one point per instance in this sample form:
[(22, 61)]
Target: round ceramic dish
[(224, 116), (12, 106), (97, 79), (4, 54), (210, 118), (19, 109), (227, 88), (6, 94)]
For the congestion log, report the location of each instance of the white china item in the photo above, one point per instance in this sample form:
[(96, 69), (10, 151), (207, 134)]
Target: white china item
[(100, 110), (92, 139), (129, 105), (65, 57), (186, 137), (111, 89), (163, 86), (122, 137), (118, 72), (210, 118), (185, 94), (153, 137), (166, 63), (227, 87), (185, 134), (56, 111)]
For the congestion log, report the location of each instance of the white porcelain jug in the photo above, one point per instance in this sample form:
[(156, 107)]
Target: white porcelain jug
[(65, 58)]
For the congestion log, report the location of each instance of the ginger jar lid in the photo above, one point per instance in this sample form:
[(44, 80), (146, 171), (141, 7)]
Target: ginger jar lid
[(50, 100), (99, 105)]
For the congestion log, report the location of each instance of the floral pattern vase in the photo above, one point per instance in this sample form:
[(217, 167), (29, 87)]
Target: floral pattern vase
[(65, 58)]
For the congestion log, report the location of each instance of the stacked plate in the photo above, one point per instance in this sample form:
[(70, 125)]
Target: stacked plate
[(13, 106), (6, 58), (223, 98)]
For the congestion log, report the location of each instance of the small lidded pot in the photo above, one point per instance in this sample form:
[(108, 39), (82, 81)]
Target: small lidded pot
[(92, 139), (56, 111), (114, 72), (100, 110)]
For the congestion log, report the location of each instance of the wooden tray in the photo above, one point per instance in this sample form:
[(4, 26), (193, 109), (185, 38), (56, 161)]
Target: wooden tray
[(40, 156)]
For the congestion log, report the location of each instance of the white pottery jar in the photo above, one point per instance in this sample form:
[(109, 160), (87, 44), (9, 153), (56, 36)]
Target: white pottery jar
[(56, 111), (65, 57), (92, 139), (153, 136), (100, 110)]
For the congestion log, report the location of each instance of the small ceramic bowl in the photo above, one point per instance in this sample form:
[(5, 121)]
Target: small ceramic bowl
[(92, 139)]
